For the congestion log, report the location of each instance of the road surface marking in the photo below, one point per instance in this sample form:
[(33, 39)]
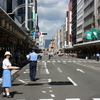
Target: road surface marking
[(48, 61), (52, 95), (72, 81), (73, 99), (96, 98), (50, 91), (37, 68), (69, 61), (22, 81), (59, 61), (27, 71), (47, 71), (80, 70), (53, 61), (59, 70), (45, 99), (49, 80), (21, 99), (74, 61), (43, 91), (49, 87)]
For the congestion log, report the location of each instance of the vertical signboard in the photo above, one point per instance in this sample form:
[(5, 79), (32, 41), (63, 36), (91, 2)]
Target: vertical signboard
[(21, 11), (33, 16)]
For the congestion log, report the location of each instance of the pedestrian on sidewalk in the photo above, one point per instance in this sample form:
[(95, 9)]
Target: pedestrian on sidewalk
[(97, 56), (6, 77), (33, 64), (49, 56)]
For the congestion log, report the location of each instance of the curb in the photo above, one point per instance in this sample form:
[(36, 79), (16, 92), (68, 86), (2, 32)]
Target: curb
[(14, 74)]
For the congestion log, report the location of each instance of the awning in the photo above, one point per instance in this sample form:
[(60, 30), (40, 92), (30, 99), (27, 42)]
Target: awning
[(91, 43), (8, 20)]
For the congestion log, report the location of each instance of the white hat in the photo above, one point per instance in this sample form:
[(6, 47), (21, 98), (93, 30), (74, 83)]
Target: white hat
[(7, 53)]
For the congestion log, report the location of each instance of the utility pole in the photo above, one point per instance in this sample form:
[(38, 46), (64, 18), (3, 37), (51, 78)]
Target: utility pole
[(26, 14)]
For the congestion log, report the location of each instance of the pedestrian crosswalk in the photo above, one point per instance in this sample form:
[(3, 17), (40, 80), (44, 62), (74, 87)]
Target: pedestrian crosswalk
[(69, 61), (72, 99)]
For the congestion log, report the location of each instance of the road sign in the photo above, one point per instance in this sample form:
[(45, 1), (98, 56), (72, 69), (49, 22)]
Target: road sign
[(33, 34), (44, 33), (38, 34)]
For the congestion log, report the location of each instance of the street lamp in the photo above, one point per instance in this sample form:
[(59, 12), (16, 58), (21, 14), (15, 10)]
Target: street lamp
[(21, 6), (26, 5), (27, 20)]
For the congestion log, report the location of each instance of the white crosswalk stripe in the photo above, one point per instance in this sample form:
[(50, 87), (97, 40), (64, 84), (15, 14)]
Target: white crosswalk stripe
[(45, 99), (96, 98), (73, 99), (69, 61)]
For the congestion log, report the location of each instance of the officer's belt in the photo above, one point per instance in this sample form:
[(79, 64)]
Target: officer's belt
[(32, 61)]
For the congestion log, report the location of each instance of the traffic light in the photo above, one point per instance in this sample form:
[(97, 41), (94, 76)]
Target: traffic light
[(44, 33)]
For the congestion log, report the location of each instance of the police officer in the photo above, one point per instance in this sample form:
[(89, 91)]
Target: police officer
[(33, 64)]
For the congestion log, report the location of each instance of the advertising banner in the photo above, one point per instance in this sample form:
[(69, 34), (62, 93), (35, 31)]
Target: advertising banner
[(88, 35), (94, 33)]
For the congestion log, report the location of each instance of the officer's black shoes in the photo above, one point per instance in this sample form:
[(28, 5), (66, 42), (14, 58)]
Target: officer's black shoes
[(9, 96), (3, 96)]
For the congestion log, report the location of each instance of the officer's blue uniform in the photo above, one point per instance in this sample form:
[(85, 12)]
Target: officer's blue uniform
[(33, 64)]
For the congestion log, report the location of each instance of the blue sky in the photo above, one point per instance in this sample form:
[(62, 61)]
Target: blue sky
[(51, 14)]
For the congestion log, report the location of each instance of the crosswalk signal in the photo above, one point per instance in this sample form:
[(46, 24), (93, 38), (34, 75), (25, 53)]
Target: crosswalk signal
[(44, 33)]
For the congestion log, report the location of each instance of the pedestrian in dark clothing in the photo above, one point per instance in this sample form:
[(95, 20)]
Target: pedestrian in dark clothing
[(33, 64), (97, 56)]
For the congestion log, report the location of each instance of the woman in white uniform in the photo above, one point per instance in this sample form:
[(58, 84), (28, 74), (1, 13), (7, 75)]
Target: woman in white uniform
[(6, 78)]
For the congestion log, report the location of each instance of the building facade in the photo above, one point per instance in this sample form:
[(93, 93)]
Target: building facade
[(69, 24), (74, 21), (80, 21)]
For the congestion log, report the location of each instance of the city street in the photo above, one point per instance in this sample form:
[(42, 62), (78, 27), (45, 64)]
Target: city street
[(60, 78)]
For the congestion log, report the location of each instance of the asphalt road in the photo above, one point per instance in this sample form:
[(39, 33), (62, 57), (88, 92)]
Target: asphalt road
[(60, 78)]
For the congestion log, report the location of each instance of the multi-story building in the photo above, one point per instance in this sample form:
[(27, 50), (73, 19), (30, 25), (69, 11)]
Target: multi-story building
[(55, 42), (10, 27), (63, 35), (69, 24), (80, 21), (41, 41), (98, 16), (90, 15), (74, 21)]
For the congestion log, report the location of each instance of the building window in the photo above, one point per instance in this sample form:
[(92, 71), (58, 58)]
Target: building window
[(79, 28), (85, 1), (80, 4), (99, 22), (99, 9), (87, 28), (88, 17), (80, 11), (89, 7), (80, 19), (79, 36)]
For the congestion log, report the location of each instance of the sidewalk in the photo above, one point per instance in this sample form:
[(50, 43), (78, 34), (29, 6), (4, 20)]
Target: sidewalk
[(14, 75)]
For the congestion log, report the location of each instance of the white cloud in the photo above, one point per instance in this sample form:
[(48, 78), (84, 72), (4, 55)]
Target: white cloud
[(51, 15)]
